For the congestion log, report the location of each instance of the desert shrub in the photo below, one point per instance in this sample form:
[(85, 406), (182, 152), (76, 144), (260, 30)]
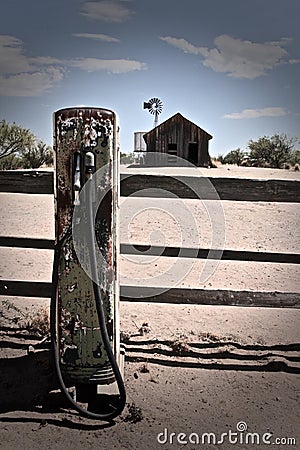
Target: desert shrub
[(37, 155), (272, 151), (127, 158), (235, 157), (10, 162), (220, 158), (14, 139), (19, 148), (294, 158)]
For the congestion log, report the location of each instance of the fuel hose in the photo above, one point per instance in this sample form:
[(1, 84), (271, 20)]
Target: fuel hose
[(117, 408)]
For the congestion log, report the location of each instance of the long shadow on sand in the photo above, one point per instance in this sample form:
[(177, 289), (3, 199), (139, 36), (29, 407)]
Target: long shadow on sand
[(28, 382), (219, 355)]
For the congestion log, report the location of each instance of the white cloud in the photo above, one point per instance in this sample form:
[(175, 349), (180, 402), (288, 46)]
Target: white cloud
[(11, 56), (109, 65), (282, 41), (30, 84), (108, 11), (256, 113), (25, 76), (235, 57), (184, 45), (97, 37), (43, 60)]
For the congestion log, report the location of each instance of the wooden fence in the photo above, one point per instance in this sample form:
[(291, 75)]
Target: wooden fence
[(237, 189)]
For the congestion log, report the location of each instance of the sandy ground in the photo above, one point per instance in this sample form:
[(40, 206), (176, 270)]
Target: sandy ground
[(194, 369)]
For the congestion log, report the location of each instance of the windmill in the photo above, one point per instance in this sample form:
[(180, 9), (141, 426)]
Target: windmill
[(154, 105)]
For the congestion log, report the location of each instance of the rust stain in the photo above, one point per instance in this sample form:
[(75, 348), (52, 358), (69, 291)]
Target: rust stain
[(78, 131)]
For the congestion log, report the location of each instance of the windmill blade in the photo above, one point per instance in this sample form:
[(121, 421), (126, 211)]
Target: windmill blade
[(159, 107), (155, 105), (153, 100)]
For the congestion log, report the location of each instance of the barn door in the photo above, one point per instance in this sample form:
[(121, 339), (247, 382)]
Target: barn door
[(193, 153)]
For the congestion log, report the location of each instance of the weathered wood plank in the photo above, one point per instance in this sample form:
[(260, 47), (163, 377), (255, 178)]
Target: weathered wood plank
[(257, 190), (11, 241), (237, 189), (26, 181), (25, 288), (232, 255), (217, 297)]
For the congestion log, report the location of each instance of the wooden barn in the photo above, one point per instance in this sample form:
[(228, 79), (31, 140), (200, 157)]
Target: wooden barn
[(178, 137)]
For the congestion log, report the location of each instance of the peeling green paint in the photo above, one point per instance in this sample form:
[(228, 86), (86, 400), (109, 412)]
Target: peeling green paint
[(77, 131)]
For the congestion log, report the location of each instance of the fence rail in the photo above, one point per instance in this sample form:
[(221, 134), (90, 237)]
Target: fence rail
[(236, 189), (189, 187), (27, 182), (42, 182), (188, 296)]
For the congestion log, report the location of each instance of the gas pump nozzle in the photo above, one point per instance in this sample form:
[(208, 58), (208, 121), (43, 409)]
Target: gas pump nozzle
[(89, 162), (77, 184)]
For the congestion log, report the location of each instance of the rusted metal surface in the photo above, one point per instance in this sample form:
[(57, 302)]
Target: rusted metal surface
[(78, 131)]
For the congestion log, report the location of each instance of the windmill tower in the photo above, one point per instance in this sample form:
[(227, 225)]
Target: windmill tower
[(154, 105)]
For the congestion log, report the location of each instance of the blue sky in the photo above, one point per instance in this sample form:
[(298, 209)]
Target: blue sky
[(232, 67)]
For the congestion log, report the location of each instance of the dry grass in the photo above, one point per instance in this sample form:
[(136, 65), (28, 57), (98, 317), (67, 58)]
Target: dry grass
[(144, 368), (125, 336), (144, 329), (39, 324), (36, 323), (179, 346), (134, 413)]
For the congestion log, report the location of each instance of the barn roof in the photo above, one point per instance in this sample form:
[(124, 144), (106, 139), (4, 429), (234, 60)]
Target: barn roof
[(182, 118)]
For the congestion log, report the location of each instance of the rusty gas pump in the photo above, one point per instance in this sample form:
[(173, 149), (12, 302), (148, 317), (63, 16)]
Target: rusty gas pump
[(85, 331)]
